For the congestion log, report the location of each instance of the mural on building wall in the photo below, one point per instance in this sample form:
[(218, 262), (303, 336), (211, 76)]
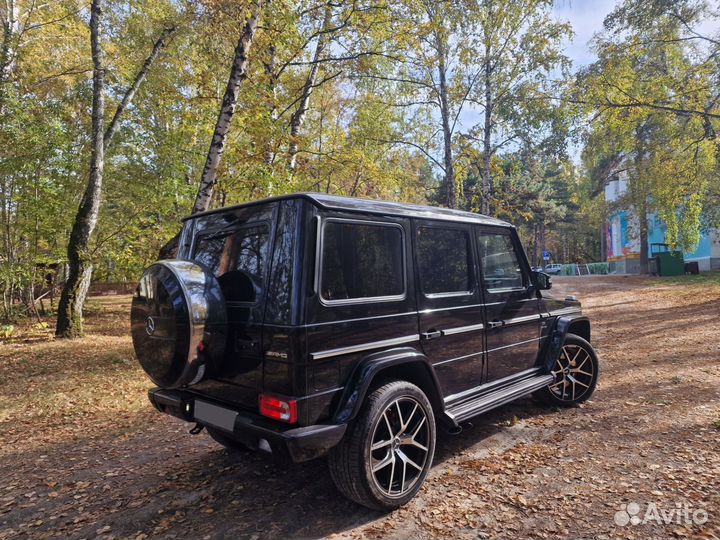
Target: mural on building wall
[(608, 241), (623, 242)]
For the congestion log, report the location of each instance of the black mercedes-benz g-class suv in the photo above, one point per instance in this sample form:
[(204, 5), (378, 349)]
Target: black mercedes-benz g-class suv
[(311, 324)]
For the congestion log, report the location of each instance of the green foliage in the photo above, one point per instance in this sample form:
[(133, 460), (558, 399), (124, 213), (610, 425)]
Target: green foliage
[(655, 90), (373, 126)]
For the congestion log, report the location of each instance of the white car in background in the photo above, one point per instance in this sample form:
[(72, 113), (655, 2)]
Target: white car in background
[(553, 269)]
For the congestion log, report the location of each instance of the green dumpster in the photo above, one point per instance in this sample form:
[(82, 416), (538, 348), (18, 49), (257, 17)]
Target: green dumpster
[(669, 262)]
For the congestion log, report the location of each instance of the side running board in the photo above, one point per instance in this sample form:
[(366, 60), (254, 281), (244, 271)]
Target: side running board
[(481, 404)]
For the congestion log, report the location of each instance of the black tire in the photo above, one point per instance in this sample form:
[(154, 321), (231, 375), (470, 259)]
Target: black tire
[(574, 382), (231, 445), (351, 462)]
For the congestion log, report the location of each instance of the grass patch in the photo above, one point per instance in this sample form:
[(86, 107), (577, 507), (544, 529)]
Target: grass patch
[(706, 278)]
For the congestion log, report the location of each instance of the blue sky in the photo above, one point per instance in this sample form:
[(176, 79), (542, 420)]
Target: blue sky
[(586, 17)]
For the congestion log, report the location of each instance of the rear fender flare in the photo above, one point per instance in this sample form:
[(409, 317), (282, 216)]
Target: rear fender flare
[(372, 366)]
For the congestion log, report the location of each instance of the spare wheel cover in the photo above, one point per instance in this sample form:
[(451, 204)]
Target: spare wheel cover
[(178, 323)]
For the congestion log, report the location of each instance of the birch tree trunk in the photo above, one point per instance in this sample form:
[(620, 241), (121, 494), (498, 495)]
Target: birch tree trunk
[(11, 27), (639, 190), (298, 117), (238, 73), (77, 283), (448, 162), (159, 45), (69, 323), (270, 66), (485, 172)]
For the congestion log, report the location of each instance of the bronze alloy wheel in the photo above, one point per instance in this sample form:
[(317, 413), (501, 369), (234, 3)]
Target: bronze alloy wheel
[(399, 447), (576, 371), (388, 448)]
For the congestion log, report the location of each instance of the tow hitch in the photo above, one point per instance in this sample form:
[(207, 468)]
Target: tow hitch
[(197, 429)]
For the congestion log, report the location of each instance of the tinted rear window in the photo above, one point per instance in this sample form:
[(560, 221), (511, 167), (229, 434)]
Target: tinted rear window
[(444, 260), (361, 261), (238, 257)]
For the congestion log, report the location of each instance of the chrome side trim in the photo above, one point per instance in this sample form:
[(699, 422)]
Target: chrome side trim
[(364, 347), (516, 344), (518, 320), (342, 321), (461, 329), (358, 319), (442, 362), (505, 290), (565, 311), (322, 393), (449, 308), (449, 294)]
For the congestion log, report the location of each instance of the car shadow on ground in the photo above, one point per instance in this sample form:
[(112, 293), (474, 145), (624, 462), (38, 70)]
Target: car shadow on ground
[(254, 495), (162, 482)]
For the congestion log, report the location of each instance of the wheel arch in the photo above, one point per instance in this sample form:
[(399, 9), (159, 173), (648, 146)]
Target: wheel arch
[(580, 327), (405, 363), (569, 324)]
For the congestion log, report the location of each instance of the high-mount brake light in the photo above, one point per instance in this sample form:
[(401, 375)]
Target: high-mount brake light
[(278, 408)]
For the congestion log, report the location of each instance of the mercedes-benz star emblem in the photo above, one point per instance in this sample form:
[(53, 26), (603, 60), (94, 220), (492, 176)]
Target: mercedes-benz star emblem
[(150, 326)]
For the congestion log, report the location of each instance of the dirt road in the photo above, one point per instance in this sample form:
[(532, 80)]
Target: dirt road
[(83, 455)]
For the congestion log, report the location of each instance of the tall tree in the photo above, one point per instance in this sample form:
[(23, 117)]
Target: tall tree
[(11, 28), (490, 59), (664, 23), (238, 73), (437, 75), (298, 117), (519, 53), (669, 156), (72, 299)]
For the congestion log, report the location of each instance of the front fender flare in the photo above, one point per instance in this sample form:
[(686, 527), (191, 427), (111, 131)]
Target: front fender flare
[(369, 367), (558, 333)]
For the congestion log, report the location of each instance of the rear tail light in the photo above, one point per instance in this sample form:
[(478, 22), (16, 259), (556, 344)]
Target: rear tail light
[(278, 408)]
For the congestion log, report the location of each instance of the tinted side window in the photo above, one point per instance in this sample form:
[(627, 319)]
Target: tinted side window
[(444, 260), (500, 265), (361, 261)]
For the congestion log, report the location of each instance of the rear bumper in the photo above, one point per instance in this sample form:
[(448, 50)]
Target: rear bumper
[(298, 443)]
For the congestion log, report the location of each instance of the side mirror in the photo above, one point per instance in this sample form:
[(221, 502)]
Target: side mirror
[(543, 280)]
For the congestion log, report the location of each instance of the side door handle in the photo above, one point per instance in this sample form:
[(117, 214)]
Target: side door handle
[(431, 334), (495, 324)]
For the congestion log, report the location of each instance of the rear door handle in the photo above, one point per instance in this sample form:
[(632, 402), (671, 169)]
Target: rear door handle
[(495, 324), (431, 334)]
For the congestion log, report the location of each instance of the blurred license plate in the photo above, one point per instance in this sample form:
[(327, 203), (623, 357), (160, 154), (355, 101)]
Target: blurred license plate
[(207, 413)]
